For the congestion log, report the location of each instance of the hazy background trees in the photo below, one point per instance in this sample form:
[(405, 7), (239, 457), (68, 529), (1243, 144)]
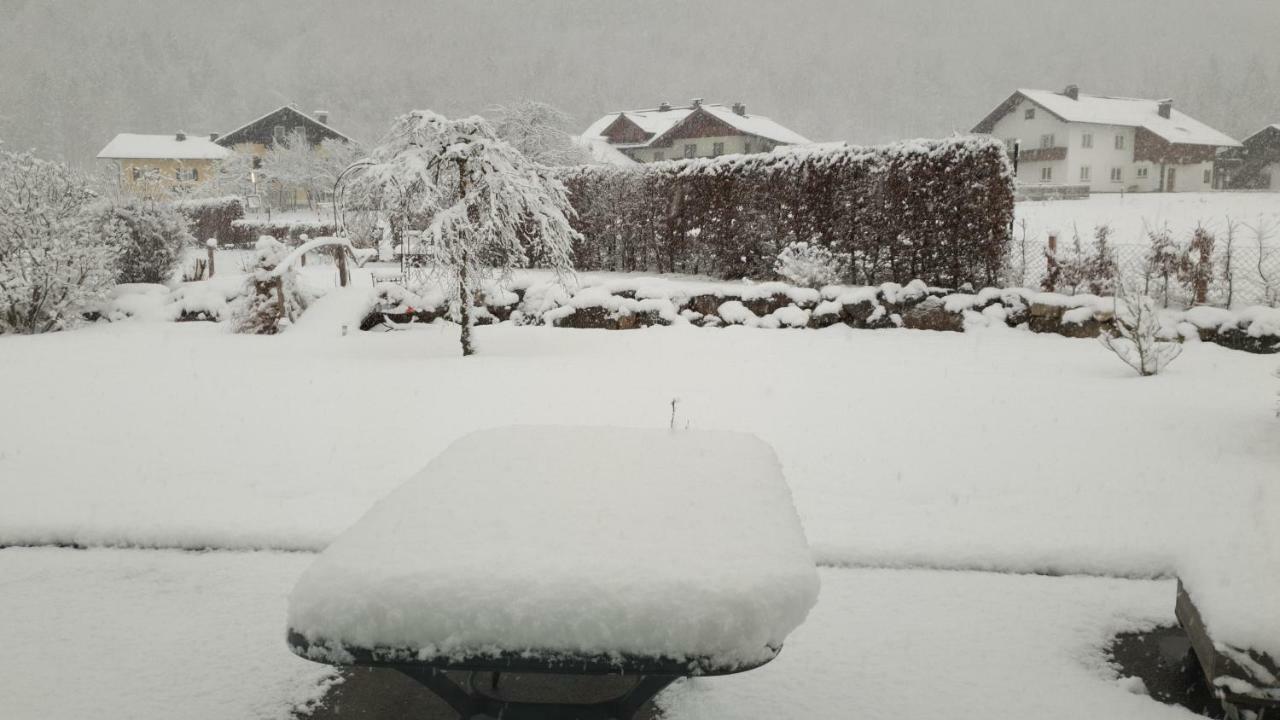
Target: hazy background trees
[(79, 71)]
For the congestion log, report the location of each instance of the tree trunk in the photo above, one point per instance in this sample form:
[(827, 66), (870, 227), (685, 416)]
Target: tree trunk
[(210, 247), (464, 293), (340, 256)]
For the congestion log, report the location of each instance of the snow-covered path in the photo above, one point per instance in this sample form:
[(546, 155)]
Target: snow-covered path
[(148, 635), (995, 449)]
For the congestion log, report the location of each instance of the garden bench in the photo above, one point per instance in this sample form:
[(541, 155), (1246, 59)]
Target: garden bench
[(1244, 679), (560, 572)]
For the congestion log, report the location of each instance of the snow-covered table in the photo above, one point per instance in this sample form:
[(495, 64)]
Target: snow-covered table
[(651, 554)]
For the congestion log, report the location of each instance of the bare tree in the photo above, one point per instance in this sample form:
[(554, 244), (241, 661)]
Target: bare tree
[(1228, 258), (1262, 233), (1136, 337), (480, 206), (541, 132)]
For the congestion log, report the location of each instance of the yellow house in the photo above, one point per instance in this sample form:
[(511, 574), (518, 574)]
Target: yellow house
[(154, 164)]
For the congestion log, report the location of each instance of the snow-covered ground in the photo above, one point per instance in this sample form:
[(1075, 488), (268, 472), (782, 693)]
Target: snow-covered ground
[(995, 449), (148, 635), (162, 634), (1130, 214)]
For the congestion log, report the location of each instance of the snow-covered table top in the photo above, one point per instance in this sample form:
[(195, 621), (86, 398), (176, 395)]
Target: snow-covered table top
[(565, 544)]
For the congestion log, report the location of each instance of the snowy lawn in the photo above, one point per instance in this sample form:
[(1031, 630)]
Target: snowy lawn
[(1130, 214), (162, 634), (996, 449), (149, 635)]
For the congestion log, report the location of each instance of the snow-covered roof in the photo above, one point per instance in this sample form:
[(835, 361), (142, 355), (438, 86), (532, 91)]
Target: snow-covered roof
[(1178, 128), (1270, 128), (131, 146), (602, 152), (226, 138), (590, 541), (659, 122)]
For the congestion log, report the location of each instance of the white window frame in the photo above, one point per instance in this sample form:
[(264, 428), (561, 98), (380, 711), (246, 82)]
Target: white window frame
[(1120, 141), (1117, 175), (1086, 140), (691, 150), (1047, 141), (1142, 173), (1046, 173), (1208, 177), (1085, 172), (717, 149)]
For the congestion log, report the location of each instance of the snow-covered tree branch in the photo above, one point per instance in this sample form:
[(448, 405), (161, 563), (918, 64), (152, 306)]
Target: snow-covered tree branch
[(541, 132)]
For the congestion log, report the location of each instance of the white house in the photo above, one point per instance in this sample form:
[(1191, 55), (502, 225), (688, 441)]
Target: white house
[(1110, 144), (697, 130)]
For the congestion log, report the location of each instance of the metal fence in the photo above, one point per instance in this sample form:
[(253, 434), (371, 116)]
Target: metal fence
[(1244, 275)]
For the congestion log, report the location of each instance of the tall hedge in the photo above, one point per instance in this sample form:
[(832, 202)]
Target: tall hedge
[(213, 217), (938, 210)]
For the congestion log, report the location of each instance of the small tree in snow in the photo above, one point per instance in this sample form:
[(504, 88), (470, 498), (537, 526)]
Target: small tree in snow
[(1102, 272), (1195, 268), (1163, 259), (540, 131), (811, 265), (480, 207), (1136, 339), (270, 301), (52, 264)]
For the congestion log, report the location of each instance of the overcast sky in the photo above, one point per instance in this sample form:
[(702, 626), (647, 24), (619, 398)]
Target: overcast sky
[(74, 73)]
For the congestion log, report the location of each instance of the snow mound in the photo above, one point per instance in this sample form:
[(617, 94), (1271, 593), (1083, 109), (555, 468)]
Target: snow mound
[(341, 308), (680, 545)]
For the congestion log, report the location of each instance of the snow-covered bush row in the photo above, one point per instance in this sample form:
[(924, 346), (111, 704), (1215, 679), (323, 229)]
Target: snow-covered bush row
[(246, 231), (641, 302), (212, 217), (152, 238), (933, 209)]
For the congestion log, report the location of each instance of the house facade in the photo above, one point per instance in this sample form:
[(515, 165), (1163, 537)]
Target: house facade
[(696, 130), (1107, 144), (1260, 161), (151, 165)]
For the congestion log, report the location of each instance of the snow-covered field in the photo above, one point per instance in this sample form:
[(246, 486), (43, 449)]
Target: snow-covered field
[(902, 447), (1131, 214)]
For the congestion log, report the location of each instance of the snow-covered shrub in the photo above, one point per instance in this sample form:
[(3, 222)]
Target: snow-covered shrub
[(811, 265), (1162, 261), (212, 217), (1102, 272), (52, 262), (1137, 339), (152, 238), (540, 131), (1195, 267), (270, 301)]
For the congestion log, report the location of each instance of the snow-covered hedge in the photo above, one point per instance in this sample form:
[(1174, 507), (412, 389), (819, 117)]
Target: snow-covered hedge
[(212, 217), (246, 232), (939, 210)]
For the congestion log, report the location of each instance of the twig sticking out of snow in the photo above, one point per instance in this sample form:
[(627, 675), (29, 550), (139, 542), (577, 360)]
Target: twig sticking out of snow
[(1137, 338)]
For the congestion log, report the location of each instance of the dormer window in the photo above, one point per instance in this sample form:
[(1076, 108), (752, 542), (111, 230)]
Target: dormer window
[(1030, 114)]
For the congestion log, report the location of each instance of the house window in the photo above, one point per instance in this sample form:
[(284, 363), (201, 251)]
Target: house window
[(1030, 114), (1117, 174), (1142, 173), (257, 162), (1046, 141), (717, 148), (277, 134), (659, 155), (746, 146), (691, 150), (1119, 142), (1208, 177), (1046, 174), (1086, 140), (136, 173), (1084, 173)]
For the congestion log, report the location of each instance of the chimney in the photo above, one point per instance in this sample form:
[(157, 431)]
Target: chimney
[(696, 102), (180, 136), (322, 116), (1166, 109), (1072, 91), (664, 107), (740, 109), (213, 137)]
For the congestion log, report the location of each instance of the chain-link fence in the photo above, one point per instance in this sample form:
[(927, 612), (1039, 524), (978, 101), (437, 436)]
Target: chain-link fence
[(1239, 276)]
